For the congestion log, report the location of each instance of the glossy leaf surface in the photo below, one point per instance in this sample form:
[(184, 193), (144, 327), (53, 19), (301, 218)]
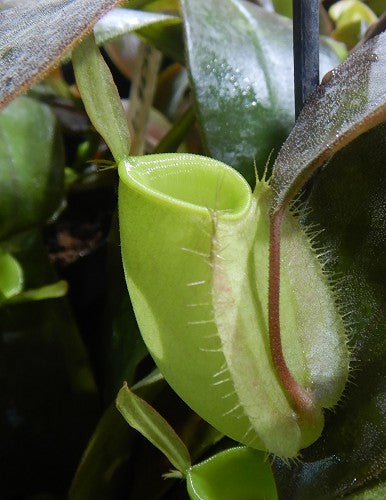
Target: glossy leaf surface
[(11, 276), (348, 202), (35, 35), (148, 422), (119, 22), (351, 101), (31, 165), (241, 473), (199, 309), (240, 63)]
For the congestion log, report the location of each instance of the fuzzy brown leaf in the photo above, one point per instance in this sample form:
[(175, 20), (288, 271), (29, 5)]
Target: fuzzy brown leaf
[(350, 101), (35, 35)]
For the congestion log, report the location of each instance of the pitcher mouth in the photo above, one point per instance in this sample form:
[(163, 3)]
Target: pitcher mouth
[(191, 181)]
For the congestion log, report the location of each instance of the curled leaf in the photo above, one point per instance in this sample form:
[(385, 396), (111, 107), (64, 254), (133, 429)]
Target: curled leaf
[(146, 420)]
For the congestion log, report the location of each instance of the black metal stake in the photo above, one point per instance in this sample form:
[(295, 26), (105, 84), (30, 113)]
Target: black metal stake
[(306, 49)]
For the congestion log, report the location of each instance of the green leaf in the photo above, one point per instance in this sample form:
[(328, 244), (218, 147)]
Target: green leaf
[(100, 97), (119, 22), (31, 165), (203, 313), (148, 422), (52, 291), (11, 276), (241, 473), (350, 33), (349, 11), (119, 459), (35, 35), (149, 468), (351, 18), (163, 31), (241, 69), (350, 102), (347, 200), (103, 472), (283, 7)]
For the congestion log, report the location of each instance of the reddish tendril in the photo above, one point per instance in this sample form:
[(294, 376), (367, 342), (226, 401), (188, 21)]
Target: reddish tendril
[(301, 398)]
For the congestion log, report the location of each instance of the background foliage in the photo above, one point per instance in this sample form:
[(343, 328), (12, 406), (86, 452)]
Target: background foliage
[(224, 88)]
